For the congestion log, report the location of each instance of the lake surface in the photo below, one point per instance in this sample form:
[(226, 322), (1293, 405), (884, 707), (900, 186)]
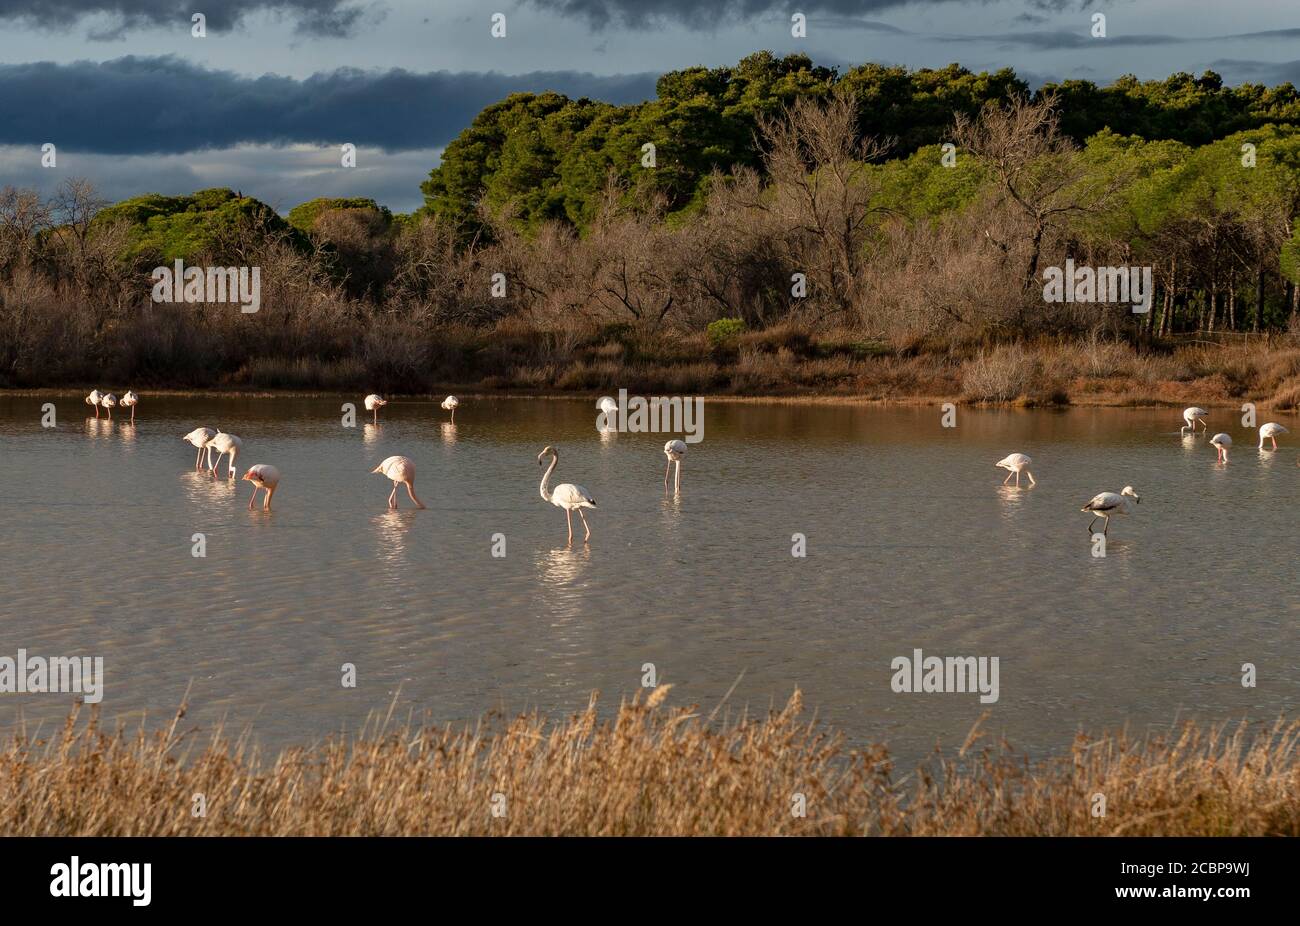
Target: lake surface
[(911, 543)]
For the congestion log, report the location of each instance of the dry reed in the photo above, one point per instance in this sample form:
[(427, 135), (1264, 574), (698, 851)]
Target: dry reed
[(648, 769)]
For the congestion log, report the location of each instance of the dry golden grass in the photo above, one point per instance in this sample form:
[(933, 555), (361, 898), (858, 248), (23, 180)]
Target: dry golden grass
[(649, 769)]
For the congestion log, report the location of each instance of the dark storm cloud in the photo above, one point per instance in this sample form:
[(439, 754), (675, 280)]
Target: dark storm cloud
[(136, 105), (644, 14), (311, 17)]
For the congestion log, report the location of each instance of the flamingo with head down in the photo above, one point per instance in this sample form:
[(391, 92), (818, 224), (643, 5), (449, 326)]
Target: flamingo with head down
[(1270, 431), (262, 476), (199, 438), (402, 472)]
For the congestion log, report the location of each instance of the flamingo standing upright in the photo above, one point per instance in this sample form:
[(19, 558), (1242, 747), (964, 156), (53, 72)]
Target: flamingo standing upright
[(94, 399), (1270, 431), (568, 496), (1014, 465), (199, 437), (1192, 415), (262, 476), (224, 444), (402, 472), (129, 400), (1108, 504), (674, 450), (451, 403), (1221, 443), (108, 401), (373, 402)]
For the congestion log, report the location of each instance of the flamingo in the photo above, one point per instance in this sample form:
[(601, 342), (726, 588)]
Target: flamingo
[(450, 404), (129, 400), (262, 476), (1192, 415), (674, 450), (1271, 431), (1108, 504), (1221, 443), (94, 399), (568, 496), (224, 444), (199, 437), (607, 405), (1014, 464), (109, 402), (372, 405), (402, 471)]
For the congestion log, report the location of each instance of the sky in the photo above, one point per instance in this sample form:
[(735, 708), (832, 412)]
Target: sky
[(134, 101)]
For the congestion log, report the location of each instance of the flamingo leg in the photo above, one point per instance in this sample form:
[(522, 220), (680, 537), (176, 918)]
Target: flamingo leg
[(666, 469), (1017, 479), (568, 516), (252, 498), (585, 526), (1275, 443), (1031, 478), (133, 414), (1008, 479), (677, 478), (266, 501), (410, 490), (392, 497)]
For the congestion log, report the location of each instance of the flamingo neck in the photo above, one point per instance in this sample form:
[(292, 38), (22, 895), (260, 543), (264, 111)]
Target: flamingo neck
[(546, 477)]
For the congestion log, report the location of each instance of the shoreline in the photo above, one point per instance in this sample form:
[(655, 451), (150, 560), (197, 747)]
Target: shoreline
[(1085, 400)]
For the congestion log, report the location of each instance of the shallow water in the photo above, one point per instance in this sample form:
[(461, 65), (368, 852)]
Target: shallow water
[(912, 543)]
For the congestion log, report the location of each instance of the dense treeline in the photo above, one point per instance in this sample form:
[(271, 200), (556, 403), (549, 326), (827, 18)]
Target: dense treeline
[(549, 157), (800, 229)]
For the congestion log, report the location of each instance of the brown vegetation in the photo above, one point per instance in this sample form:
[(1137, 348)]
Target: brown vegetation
[(894, 301), (647, 770)]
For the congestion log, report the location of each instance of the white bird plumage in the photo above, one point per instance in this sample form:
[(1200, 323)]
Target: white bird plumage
[(130, 400), (262, 476), (1108, 504), (450, 404), (1222, 443), (199, 438), (674, 450), (224, 444), (566, 495), (402, 472), (108, 402), (1270, 431), (373, 403), (1192, 415), (1015, 464)]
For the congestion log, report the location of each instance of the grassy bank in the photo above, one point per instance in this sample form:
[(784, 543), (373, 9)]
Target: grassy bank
[(649, 769), (783, 361)]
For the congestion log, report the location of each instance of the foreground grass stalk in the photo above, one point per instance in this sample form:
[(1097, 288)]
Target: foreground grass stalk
[(648, 769)]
